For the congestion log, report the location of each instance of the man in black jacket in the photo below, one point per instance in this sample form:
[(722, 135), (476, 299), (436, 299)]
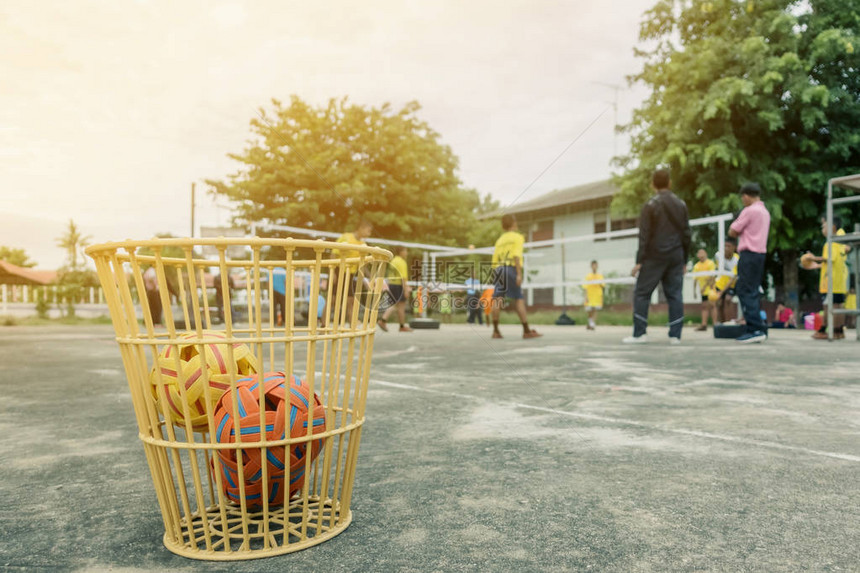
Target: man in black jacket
[(664, 245)]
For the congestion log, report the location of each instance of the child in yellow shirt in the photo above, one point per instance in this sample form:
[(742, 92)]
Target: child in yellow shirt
[(840, 279), (851, 304), (704, 283), (593, 295)]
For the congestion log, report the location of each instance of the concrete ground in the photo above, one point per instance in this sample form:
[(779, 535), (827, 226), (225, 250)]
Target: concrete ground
[(567, 453)]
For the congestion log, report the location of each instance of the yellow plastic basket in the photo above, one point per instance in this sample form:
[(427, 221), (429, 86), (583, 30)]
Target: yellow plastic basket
[(281, 478)]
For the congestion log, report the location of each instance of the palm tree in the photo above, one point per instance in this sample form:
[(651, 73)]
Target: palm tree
[(73, 276), (73, 243)]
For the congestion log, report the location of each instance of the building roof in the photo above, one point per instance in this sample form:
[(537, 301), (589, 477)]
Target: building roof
[(14, 275), (599, 190), (849, 182)]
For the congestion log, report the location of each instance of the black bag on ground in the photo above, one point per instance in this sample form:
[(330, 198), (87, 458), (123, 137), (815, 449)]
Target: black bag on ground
[(729, 330)]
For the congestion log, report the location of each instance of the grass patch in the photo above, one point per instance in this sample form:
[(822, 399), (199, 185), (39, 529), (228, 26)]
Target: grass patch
[(605, 318)]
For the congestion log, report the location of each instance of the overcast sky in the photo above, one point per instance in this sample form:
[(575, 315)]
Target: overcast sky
[(110, 109)]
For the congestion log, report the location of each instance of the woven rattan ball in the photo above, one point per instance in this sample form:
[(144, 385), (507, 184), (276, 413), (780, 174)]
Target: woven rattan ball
[(286, 406), (177, 379)]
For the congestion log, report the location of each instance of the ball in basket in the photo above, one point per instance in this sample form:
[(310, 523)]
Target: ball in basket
[(177, 379), (288, 408)]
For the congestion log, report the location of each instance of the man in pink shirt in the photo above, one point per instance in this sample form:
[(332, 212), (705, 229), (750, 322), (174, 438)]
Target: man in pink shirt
[(751, 227)]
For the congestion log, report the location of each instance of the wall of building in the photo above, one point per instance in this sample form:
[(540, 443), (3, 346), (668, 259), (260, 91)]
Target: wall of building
[(615, 257)]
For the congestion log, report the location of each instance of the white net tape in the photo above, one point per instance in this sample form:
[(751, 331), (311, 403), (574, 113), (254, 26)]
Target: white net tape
[(549, 264)]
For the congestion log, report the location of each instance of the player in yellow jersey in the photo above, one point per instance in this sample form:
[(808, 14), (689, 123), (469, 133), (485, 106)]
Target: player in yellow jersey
[(398, 288), (721, 290), (840, 280), (704, 265), (851, 304), (593, 295), (356, 238), (508, 275)]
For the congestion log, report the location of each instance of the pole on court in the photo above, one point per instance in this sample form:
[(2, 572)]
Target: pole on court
[(425, 282), (829, 299), (193, 185), (564, 319), (423, 322), (721, 239), (856, 280)]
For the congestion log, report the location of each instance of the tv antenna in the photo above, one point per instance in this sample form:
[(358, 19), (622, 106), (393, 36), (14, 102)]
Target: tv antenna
[(614, 103)]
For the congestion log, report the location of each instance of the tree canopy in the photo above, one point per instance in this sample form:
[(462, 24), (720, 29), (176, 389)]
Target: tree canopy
[(327, 167), (15, 256), (752, 90)]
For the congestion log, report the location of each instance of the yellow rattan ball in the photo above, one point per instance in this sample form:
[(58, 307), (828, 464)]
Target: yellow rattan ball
[(177, 378)]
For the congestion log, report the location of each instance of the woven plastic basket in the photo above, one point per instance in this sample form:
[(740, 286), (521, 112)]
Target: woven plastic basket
[(249, 401)]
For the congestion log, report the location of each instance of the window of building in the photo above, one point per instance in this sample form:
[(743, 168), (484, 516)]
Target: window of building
[(602, 220), (623, 224), (543, 296), (542, 231)]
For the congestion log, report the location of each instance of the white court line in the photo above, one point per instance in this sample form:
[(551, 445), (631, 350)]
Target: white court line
[(622, 421), (390, 353)]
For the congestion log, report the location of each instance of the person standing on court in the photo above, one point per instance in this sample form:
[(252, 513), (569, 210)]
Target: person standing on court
[(751, 229), (398, 288), (351, 270), (279, 295), (153, 297), (219, 294), (508, 275), (473, 305), (664, 246)]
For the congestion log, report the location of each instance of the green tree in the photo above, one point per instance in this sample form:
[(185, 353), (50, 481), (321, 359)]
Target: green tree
[(167, 252), (74, 243), (42, 306), (484, 232), (488, 225), (73, 277), (326, 167), (17, 257), (762, 90)]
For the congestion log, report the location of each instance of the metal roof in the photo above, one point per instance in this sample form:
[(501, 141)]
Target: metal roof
[(848, 182), (15, 275), (562, 197)]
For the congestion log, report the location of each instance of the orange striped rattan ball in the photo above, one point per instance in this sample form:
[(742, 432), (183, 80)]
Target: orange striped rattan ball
[(287, 411)]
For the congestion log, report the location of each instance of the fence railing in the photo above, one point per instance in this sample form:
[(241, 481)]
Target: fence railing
[(52, 294)]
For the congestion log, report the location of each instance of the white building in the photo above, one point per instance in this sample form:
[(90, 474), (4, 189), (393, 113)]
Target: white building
[(572, 212)]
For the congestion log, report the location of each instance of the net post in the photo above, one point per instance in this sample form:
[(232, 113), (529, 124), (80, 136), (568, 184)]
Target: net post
[(425, 263), (856, 283), (829, 300), (721, 237)]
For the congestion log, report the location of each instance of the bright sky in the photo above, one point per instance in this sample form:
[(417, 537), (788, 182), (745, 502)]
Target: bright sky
[(110, 109)]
